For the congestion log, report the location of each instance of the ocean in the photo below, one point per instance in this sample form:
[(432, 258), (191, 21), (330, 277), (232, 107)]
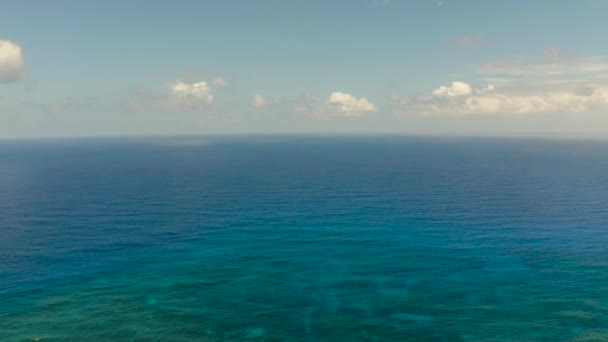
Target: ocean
[(303, 238)]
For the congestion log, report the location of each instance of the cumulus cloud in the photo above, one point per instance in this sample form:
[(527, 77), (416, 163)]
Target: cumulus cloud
[(337, 105), (347, 103), (556, 100), (12, 64), (259, 101), (190, 95), (488, 99), (554, 82), (456, 89)]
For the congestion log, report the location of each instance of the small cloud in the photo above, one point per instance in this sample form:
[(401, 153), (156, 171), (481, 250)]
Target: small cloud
[(190, 95), (338, 104), (456, 89), (220, 82), (12, 64), (347, 103), (181, 95), (441, 3), (259, 101)]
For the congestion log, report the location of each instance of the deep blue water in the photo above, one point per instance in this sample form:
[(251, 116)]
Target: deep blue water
[(303, 239)]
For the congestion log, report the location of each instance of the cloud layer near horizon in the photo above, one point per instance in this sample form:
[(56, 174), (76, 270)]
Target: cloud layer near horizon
[(556, 82), (551, 83)]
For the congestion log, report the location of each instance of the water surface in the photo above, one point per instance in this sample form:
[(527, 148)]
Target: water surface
[(303, 239)]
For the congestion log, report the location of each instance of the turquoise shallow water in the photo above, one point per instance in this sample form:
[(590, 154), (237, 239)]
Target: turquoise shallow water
[(303, 239)]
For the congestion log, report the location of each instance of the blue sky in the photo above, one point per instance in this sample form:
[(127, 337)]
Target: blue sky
[(168, 67)]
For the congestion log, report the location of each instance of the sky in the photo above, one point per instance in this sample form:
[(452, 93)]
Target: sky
[(90, 68)]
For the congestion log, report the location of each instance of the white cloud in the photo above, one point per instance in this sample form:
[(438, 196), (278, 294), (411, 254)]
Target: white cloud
[(559, 98), (347, 103), (187, 94), (457, 89), (550, 101), (190, 95), (220, 82), (337, 105), (556, 82), (259, 101), (12, 65)]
